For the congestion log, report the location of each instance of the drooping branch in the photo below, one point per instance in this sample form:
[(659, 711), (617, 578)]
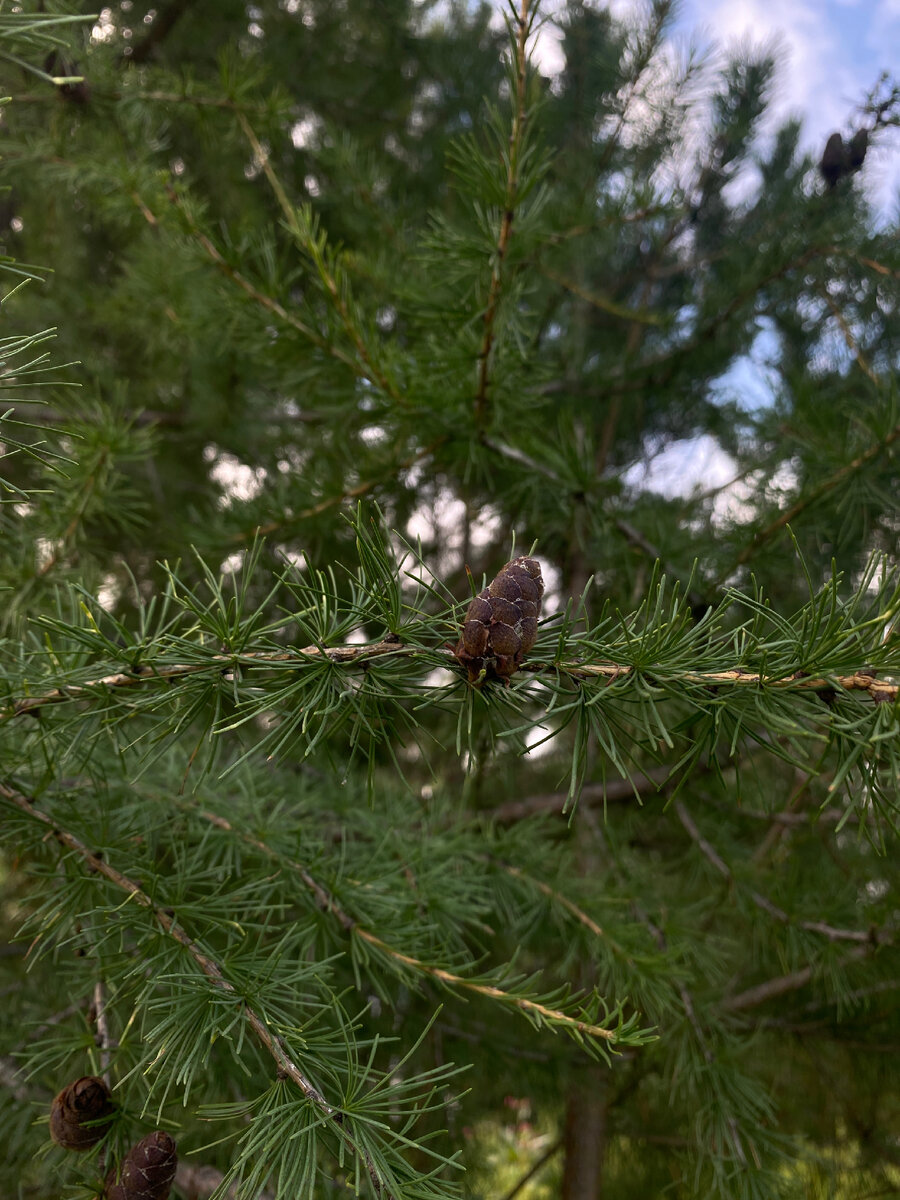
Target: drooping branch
[(874, 937), (164, 917), (329, 904)]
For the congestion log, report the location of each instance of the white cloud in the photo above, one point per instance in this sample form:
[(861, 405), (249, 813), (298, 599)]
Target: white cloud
[(682, 466), (812, 78)]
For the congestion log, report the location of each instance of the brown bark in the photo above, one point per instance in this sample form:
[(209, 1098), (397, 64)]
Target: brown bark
[(585, 1136)]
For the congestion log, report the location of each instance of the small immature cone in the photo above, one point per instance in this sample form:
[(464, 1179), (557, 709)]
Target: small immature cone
[(501, 623), (76, 1108), (856, 149), (147, 1170)]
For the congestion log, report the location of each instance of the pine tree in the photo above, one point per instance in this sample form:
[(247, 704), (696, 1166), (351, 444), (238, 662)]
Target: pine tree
[(352, 307)]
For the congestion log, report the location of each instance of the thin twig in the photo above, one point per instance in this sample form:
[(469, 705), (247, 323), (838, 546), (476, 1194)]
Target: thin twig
[(98, 1014), (778, 829), (537, 1165), (595, 300), (852, 344), (782, 984), (266, 302), (370, 370), (827, 485), (875, 937), (71, 529), (361, 489), (616, 790)]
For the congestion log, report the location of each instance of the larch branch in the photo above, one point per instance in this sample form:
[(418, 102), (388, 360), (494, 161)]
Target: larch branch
[(327, 903), (368, 368), (166, 919), (862, 460), (833, 934), (861, 681)]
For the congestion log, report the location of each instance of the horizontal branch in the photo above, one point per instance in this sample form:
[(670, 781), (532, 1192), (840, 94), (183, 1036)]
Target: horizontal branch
[(737, 677), (270, 1041)]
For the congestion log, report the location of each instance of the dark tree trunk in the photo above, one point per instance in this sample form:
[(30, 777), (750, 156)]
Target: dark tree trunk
[(585, 1136)]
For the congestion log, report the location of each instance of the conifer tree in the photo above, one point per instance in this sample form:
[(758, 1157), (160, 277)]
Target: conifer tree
[(396, 795)]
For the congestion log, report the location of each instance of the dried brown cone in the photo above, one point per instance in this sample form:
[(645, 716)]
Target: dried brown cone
[(501, 622), (147, 1170), (76, 1116)]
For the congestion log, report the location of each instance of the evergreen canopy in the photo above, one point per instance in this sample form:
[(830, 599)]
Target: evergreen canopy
[(349, 305)]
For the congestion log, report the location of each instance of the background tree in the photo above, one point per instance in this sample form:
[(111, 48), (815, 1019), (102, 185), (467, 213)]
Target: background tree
[(274, 867)]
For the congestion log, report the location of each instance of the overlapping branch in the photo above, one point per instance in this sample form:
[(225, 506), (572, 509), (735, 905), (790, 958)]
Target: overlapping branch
[(269, 1040)]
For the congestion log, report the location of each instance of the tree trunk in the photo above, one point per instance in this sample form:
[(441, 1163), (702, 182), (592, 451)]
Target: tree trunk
[(585, 1136)]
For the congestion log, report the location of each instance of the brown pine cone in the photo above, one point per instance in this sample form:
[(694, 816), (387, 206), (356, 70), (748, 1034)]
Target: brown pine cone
[(147, 1171), (501, 622), (74, 1110)]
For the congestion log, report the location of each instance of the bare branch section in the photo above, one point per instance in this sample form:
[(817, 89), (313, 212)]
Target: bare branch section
[(782, 984), (270, 1041), (613, 790), (861, 681)]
